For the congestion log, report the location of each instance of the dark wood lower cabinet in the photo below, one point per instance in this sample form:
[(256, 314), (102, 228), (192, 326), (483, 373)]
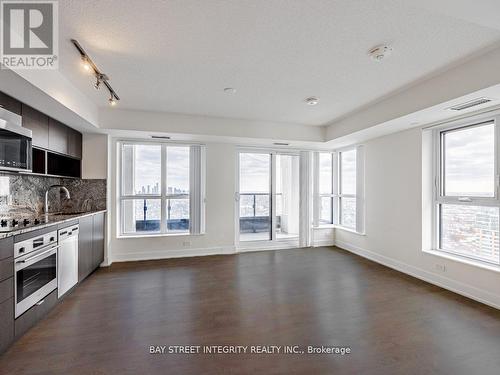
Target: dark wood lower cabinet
[(85, 235), (90, 256), (90, 244), (6, 324), (98, 240), (35, 314)]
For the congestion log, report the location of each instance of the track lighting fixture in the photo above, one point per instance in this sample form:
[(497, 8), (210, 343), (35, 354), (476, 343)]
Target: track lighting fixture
[(112, 101), (86, 64), (101, 78), (97, 84)]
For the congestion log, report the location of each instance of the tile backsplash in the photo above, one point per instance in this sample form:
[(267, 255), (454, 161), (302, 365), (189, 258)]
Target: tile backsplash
[(24, 195)]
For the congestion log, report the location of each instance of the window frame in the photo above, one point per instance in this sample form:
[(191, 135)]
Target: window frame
[(163, 196), (337, 194), (340, 194), (332, 195), (438, 196)]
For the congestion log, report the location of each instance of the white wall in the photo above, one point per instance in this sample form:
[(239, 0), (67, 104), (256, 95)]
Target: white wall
[(393, 185), (94, 155), (173, 123), (219, 236)]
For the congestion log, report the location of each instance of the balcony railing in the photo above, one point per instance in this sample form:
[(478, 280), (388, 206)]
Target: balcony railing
[(255, 213), (154, 225)]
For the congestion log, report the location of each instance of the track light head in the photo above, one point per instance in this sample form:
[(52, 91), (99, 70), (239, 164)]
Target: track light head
[(86, 64), (112, 101)]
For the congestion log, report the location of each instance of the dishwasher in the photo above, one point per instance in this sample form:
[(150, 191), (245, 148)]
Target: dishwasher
[(67, 259)]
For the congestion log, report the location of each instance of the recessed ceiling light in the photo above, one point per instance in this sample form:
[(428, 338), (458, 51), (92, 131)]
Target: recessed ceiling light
[(230, 90), (380, 52), (312, 100)]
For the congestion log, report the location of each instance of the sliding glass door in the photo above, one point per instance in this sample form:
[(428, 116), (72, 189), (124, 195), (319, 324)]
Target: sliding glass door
[(255, 197), (268, 196), (287, 197)]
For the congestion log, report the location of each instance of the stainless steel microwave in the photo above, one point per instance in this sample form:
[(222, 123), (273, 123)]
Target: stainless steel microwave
[(15, 143)]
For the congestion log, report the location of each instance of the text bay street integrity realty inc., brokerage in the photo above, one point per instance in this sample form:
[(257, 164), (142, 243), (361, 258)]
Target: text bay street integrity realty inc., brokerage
[(249, 349)]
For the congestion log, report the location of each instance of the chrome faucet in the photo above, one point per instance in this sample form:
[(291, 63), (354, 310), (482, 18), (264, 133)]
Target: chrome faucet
[(60, 187)]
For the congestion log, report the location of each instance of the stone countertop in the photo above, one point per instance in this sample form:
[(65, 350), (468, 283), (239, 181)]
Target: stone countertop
[(53, 219)]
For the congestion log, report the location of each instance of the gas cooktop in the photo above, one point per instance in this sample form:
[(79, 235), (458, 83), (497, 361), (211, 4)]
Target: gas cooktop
[(11, 224)]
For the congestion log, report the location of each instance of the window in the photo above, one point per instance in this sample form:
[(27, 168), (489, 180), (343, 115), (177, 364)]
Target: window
[(466, 196), (326, 191), (339, 177), (156, 195), (347, 191)]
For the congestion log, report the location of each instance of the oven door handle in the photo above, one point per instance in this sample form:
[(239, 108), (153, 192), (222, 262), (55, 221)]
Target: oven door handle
[(37, 255)]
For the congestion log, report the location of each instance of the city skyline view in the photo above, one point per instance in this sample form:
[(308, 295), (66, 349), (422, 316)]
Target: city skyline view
[(142, 176)]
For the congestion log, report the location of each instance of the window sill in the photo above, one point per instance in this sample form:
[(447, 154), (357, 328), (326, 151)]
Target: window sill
[(350, 230), (325, 226), (463, 260), (156, 235)]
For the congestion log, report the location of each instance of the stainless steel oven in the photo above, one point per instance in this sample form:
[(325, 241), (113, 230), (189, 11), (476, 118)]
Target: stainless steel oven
[(15, 143), (35, 270)]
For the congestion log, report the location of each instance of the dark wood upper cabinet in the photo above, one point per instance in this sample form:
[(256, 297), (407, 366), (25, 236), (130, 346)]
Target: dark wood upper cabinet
[(64, 140), (10, 104), (38, 123), (57, 147), (74, 143), (58, 137)]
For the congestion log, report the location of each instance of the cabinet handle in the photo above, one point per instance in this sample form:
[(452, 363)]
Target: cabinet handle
[(40, 302)]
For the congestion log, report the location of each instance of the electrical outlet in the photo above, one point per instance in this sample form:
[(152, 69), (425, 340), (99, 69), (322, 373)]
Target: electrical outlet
[(186, 243), (440, 267)]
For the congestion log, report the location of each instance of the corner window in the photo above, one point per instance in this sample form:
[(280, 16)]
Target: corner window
[(326, 191), (339, 181), (347, 191), (155, 195), (466, 198)]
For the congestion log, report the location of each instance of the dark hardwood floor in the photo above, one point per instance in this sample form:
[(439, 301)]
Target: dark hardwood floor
[(393, 323)]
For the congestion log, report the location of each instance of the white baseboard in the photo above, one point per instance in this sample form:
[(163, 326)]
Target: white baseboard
[(268, 246), (327, 242), (185, 253), (458, 287), (167, 254)]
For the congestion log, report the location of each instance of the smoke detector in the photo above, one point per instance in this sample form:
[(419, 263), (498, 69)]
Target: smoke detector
[(380, 52), (312, 100)]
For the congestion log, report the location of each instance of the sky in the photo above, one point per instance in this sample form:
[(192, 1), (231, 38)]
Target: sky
[(255, 173), (470, 161), (148, 166)]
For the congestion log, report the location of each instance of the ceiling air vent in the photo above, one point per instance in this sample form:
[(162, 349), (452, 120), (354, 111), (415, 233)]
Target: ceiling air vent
[(469, 104)]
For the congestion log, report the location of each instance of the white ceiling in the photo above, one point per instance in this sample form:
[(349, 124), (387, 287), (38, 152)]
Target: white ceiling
[(178, 56)]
